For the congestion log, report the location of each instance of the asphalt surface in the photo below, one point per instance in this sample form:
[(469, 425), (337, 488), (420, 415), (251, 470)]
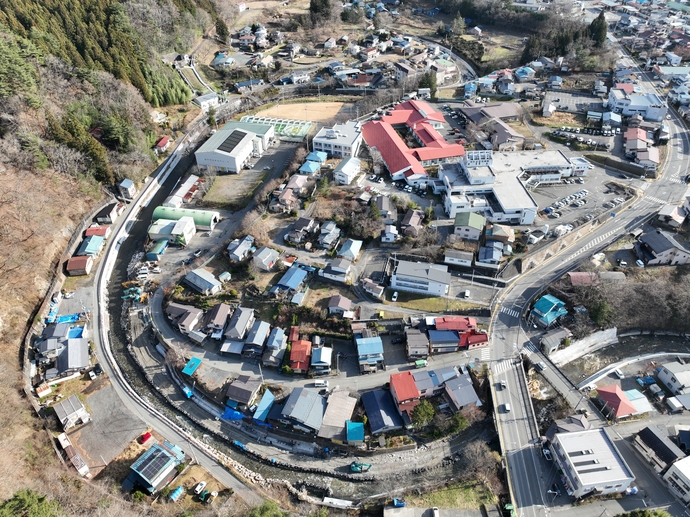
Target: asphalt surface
[(528, 470)]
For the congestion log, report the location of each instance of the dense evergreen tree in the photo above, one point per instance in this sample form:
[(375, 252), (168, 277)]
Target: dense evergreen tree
[(222, 30), (598, 30), (428, 80)]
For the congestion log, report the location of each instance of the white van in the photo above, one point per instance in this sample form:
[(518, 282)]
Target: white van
[(321, 384), (506, 407), (467, 293)]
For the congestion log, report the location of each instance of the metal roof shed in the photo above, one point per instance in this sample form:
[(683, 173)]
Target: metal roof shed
[(305, 407), (292, 278), (203, 219)]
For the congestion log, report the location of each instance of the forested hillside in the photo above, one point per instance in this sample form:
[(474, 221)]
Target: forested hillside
[(98, 35), (77, 82)]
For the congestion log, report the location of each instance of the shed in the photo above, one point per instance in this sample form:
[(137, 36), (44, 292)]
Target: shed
[(203, 219), (77, 266), (338, 412), (71, 412), (91, 246), (264, 406), (292, 278)]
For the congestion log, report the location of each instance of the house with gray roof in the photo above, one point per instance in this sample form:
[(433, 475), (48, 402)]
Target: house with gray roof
[(350, 249), (657, 448), (417, 344), (305, 409), (71, 412), (239, 249), (203, 281), (242, 320), (421, 277), (74, 357), (382, 412), (329, 236), (254, 345), (461, 393), (387, 209), (571, 424), (265, 258), (432, 382), (243, 390), (321, 359), (661, 248)]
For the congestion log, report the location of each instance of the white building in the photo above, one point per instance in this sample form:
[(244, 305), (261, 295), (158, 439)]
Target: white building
[(458, 258), (340, 140), (226, 151), (177, 232), (487, 183), (649, 105), (678, 479), (347, 170), (590, 463), (676, 377), (265, 133), (419, 277), (206, 102)]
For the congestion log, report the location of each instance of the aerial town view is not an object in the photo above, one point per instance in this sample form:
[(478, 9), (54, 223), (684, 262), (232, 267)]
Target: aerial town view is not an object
[(316, 258)]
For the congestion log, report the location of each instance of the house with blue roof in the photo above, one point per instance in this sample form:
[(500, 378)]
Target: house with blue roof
[(382, 413), (555, 83), (370, 353), (350, 249), (317, 156), (154, 469), (92, 246), (264, 406), (321, 360), (525, 74), (292, 279), (222, 61), (310, 167), (443, 341), (275, 348), (548, 310), (489, 256), (355, 432), (470, 90)]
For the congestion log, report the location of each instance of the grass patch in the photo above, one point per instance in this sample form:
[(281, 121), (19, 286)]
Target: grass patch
[(423, 303), (462, 496), (189, 74)]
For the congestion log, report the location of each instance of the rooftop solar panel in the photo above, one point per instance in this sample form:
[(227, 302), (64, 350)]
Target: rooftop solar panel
[(153, 464), (232, 140)]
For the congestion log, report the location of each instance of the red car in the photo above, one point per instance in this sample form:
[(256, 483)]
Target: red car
[(144, 438)]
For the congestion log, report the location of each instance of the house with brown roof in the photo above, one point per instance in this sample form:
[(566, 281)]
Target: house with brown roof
[(339, 305), (78, 266), (412, 222)]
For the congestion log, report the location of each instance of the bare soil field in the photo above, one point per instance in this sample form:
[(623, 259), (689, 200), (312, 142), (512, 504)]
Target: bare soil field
[(320, 293), (314, 112), (234, 189)]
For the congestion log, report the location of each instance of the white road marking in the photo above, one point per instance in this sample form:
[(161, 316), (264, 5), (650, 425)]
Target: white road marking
[(593, 243)]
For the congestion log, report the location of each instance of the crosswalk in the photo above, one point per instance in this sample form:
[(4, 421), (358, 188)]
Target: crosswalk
[(485, 354), (529, 348), (677, 179), (594, 242), (655, 200), (502, 366), (510, 312)]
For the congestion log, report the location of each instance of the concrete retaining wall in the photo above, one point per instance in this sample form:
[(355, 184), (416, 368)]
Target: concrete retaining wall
[(585, 346)]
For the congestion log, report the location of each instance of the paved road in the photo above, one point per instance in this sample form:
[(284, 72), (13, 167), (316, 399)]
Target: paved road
[(527, 470)]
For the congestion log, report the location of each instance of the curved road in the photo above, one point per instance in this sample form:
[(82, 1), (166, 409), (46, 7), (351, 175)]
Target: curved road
[(526, 467)]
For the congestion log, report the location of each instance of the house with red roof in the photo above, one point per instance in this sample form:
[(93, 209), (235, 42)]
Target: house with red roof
[(419, 120), (405, 394), (616, 403), (466, 327), (162, 145), (101, 231), (300, 356)]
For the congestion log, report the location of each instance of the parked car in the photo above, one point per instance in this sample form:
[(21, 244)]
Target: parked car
[(200, 487), (394, 298)]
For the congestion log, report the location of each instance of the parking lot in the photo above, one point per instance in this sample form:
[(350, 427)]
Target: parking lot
[(602, 185), (574, 102)]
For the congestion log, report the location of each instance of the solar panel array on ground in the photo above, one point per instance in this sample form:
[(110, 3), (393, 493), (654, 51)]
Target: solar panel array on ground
[(283, 127), (231, 141)]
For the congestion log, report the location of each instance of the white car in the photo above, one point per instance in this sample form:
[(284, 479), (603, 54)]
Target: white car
[(200, 487), (395, 297), (639, 263)]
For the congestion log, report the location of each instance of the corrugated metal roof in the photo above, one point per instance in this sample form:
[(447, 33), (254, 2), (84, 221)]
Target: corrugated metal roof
[(306, 407), (292, 278), (381, 412)]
